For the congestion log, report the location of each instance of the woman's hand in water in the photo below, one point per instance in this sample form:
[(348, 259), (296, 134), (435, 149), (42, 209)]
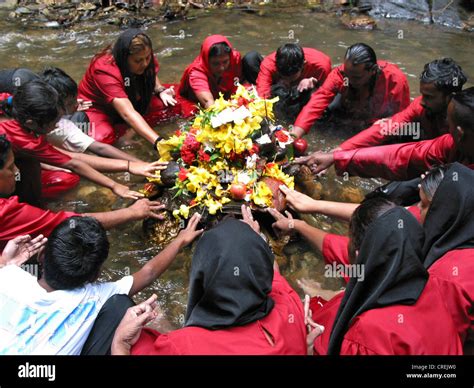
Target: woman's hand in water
[(317, 161), (124, 192), (167, 96), (146, 169), (21, 249)]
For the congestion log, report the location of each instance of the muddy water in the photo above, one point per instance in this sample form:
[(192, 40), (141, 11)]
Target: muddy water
[(407, 44)]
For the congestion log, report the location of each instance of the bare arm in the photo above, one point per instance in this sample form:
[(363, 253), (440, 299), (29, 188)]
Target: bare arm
[(109, 151), (287, 225), (156, 266), (126, 110), (140, 210), (304, 204), (95, 176), (206, 99)]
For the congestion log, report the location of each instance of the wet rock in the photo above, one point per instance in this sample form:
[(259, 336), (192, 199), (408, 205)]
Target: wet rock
[(450, 13), (306, 183), (168, 176), (352, 194), (407, 9), (359, 22), (23, 11)]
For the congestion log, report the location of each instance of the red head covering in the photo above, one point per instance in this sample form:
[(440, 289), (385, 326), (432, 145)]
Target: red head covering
[(201, 72)]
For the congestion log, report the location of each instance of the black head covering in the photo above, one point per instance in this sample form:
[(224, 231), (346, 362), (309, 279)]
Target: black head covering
[(393, 271), (143, 85), (449, 223), (231, 277)]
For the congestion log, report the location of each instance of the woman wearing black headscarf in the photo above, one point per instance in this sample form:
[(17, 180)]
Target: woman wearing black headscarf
[(391, 309), (447, 209), (125, 91), (237, 303)]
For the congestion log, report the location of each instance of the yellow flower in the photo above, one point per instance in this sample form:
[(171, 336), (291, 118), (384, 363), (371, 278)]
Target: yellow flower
[(182, 211), (273, 170), (262, 195)]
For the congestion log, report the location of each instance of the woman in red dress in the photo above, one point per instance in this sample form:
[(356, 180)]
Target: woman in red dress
[(123, 85)]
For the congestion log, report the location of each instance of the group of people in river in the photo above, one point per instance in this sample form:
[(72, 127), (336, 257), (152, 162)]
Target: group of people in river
[(412, 239)]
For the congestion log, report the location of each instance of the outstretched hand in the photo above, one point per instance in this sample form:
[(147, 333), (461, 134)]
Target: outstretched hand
[(22, 248), (188, 235), (247, 217), (317, 161)]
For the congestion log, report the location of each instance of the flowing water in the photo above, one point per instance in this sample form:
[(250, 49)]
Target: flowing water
[(408, 44)]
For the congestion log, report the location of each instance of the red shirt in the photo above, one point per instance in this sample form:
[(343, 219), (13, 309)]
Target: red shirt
[(103, 82), (386, 130), (285, 324), (457, 266), (421, 329), (26, 144), (17, 219), (318, 65), (391, 94), (397, 161)]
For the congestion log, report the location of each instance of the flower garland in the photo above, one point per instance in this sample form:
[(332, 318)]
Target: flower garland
[(219, 154)]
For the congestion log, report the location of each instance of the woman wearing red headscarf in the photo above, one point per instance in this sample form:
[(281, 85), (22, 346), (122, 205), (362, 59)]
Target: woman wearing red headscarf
[(122, 83), (216, 69)]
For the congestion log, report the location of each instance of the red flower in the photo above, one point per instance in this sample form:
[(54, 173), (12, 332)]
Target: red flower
[(183, 174), (187, 156), (254, 150), (243, 101), (281, 136), (192, 202), (203, 156), (178, 132), (191, 143)]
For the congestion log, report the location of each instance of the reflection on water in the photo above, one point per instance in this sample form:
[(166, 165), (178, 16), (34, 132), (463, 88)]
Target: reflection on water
[(73, 49)]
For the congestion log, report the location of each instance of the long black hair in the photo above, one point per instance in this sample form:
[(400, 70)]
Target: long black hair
[(143, 85)]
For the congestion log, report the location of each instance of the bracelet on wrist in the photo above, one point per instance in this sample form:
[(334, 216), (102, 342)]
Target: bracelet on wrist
[(160, 90)]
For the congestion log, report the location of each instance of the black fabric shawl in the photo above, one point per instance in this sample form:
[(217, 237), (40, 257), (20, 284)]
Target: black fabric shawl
[(391, 253), (139, 85), (449, 222), (231, 277)]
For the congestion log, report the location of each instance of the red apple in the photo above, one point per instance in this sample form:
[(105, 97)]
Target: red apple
[(300, 146), (238, 191)]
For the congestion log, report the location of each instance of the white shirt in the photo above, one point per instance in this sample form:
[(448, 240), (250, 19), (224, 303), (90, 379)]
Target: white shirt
[(69, 136), (34, 321)]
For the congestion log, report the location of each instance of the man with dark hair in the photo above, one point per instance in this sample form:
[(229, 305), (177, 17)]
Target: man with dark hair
[(425, 117), (409, 160), (17, 219), (293, 66), (362, 89), (55, 313)]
